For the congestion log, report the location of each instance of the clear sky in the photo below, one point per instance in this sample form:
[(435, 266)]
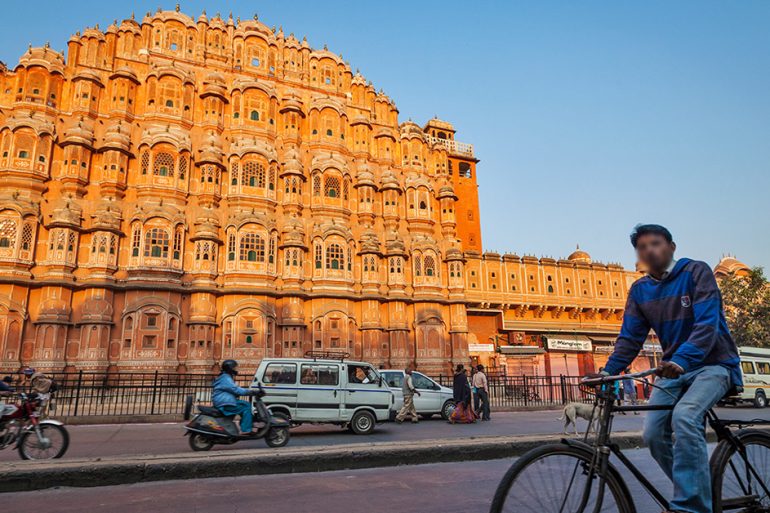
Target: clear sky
[(588, 116)]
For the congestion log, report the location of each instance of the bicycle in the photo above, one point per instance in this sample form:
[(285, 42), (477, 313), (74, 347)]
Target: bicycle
[(573, 476)]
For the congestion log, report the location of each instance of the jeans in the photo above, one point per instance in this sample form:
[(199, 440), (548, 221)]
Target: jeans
[(685, 461), (484, 398), (243, 409)]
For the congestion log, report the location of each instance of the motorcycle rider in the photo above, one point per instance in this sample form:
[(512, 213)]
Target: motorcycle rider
[(225, 396)]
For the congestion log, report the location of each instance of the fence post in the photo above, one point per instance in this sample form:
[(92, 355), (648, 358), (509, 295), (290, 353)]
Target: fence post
[(563, 389), (154, 392), (526, 391), (77, 392)]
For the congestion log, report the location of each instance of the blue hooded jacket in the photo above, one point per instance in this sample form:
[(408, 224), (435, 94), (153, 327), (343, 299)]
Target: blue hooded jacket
[(225, 391), (685, 311)]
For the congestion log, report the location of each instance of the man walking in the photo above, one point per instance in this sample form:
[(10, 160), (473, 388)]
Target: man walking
[(481, 385), (629, 391), (680, 301), (409, 390)]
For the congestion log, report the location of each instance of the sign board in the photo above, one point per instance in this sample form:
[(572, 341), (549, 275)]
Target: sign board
[(568, 344), (650, 347), (481, 348), (604, 349)]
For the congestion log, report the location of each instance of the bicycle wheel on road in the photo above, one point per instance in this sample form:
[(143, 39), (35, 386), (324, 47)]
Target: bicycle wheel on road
[(553, 479), (734, 486)]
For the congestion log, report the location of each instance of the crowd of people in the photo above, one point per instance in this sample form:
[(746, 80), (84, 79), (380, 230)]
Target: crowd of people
[(471, 395)]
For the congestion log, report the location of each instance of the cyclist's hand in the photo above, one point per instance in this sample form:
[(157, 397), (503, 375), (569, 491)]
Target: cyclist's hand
[(669, 370)]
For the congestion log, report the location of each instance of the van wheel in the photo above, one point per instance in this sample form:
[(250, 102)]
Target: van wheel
[(447, 409), (760, 401), (362, 423)]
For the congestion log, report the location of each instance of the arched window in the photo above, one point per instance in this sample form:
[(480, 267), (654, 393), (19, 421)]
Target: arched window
[(7, 233), (163, 165), (335, 257), (316, 185), (550, 289), (430, 266), (254, 115), (253, 174), (332, 187), (252, 248), (156, 242), (318, 256), (417, 267), (231, 247), (136, 240), (145, 162)]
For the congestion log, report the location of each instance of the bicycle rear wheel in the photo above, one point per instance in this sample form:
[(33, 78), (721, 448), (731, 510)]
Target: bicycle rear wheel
[(554, 479), (734, 486)]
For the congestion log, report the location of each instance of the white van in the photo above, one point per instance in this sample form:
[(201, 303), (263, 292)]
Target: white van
[(755, 365), (324, 388), (433, 399)]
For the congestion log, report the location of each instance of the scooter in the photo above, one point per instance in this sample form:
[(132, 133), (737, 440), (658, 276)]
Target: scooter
[(210, 426)]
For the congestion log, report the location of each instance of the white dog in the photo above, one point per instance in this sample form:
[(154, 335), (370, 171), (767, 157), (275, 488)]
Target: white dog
[(574, 410)]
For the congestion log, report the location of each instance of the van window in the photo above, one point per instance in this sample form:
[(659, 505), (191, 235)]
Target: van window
[(763, 367), (394, 379), (320, 374), (747, 367), (361, 374), (281, 373)]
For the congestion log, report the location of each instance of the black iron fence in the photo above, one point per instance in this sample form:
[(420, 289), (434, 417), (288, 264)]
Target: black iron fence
[(161, 393), (531, 391)]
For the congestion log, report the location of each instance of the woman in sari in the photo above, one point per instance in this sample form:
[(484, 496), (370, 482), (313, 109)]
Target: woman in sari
[(463, 412)]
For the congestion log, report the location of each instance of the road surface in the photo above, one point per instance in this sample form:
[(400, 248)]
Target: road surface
[(135, 439), (441, 488)]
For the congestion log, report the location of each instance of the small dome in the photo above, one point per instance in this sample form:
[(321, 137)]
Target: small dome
[(731, 266), (579, 256)]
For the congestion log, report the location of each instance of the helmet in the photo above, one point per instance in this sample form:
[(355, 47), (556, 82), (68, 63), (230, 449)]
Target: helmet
[(229, 366)]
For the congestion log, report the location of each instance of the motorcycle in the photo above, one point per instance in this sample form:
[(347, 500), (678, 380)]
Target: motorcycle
[(210, 426), (35, 439)]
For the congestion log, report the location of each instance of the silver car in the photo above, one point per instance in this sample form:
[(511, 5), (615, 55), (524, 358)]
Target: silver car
[(433, 399)]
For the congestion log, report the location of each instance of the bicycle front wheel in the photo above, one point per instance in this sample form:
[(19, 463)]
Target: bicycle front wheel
[(557, 479), (738, 483)]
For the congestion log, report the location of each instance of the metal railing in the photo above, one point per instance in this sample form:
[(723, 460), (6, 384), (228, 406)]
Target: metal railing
[(456, 147), (163, 393), (531, 391)]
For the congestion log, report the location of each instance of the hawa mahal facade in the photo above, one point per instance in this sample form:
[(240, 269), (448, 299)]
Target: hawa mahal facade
[(178, 191)]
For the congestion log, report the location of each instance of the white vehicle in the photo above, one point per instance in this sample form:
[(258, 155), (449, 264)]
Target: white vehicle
[(755, 365), (433, 399), (325, 388)]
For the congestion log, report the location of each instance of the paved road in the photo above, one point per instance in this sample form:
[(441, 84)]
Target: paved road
[(135, 439), (442, 488)]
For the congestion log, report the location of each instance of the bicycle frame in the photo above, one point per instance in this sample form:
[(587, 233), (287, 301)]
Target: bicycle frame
[(603, 446)]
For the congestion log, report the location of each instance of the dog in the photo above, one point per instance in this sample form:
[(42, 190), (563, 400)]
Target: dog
[(572, 411)]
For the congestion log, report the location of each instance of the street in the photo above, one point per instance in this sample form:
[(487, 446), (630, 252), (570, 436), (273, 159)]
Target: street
[(444, 487), (132, 439)]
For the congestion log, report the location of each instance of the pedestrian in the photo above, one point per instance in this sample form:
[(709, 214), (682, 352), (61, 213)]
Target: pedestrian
[(679, 300), (481, 384), (409, 390), (629, 391), (461, 393), (646, 388)]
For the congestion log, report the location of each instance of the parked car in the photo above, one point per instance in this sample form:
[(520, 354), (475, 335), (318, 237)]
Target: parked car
[(323, 388), (755, 365), (433, 399)]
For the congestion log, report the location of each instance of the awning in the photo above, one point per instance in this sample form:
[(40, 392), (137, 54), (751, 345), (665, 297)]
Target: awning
[(564, 342), (521, 350)]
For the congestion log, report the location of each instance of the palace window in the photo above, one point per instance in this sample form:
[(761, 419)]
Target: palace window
[(252, 248), (316, 185), (335, 258), (156, 243), (430, 266), (253, 174), (163, 165), (8, 229), (332, 187)]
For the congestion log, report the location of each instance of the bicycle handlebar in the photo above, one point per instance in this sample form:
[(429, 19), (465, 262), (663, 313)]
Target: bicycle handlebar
[(609, 379)]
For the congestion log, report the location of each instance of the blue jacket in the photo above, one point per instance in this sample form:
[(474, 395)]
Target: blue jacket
[(685, 310), (226, 392)]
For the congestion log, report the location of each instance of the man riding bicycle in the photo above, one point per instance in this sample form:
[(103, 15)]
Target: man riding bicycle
[(680, 301)]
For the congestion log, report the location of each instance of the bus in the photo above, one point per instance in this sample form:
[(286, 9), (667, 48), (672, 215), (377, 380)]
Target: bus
[(755, 365)]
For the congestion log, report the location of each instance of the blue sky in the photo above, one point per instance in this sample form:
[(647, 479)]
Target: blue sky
[(588, 117)]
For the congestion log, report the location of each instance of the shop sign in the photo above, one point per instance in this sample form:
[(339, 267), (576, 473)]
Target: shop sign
[(604, 349), (568, 344), (653, 348), (481, 348)]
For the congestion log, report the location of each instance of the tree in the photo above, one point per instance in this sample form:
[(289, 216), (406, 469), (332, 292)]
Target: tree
[(747, 307)]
